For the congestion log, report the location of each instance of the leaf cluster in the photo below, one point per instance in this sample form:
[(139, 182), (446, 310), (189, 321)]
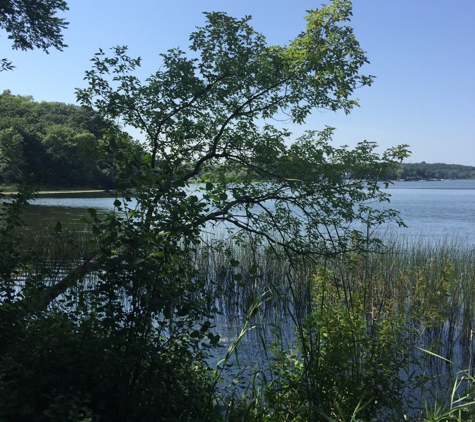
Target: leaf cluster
[(61, 144), (33, 23)]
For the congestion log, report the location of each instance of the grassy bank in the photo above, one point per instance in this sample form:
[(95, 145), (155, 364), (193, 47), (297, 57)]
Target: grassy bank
[(383, 335), (386, 335)]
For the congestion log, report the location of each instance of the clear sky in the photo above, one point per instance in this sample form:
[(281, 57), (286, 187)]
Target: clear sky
[(421, 51)]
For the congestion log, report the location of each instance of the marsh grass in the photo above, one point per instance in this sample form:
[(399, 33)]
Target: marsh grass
[(407, 309), (48, 255), (433, 284), (340, 338)]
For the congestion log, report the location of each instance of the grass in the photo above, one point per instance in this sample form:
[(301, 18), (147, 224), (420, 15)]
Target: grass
[(415, 276), (433, 283), (396, 324), (415, 296)]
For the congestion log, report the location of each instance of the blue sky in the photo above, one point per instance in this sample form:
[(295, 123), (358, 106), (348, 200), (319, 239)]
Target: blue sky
[(421, 51)]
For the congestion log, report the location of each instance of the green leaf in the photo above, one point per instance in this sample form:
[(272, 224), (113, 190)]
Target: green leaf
[(183, 311), (146, 159), (205, 326), (213, 339)]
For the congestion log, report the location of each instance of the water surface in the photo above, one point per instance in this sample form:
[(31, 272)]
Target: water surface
[(432, 210)]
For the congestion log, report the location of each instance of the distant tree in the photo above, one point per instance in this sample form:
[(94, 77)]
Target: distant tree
[(61, 144), (427, 171), (11, 154), (32, 24)]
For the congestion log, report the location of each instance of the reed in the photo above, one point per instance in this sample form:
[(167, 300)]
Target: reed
[(433, 283), (341, 337), (417, 276), (47, 255), (391, 304)]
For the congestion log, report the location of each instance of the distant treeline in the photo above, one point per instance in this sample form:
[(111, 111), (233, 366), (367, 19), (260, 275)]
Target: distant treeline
[(62, 145), (57, 144), (426, 171)]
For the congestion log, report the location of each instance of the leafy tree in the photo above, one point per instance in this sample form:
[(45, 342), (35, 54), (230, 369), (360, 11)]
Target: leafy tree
[(425, 171), (32, 24), (11, 153), (129, 328), (61, 144)]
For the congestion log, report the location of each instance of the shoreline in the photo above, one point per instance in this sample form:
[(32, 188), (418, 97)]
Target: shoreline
[(69, 192)]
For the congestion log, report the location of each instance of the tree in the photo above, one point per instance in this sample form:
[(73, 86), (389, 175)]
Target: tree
[(32, 24), (136, 315), (60, 144)]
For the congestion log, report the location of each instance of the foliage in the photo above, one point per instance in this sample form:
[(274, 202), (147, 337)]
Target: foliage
[(352, 351), (428, 171), (358, 355), (458, 408), (120, 345), (60, 144), (32, 24), (125, 334), (217, 108)]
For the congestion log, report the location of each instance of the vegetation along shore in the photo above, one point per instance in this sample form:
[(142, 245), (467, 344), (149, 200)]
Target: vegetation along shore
[(122, 316)]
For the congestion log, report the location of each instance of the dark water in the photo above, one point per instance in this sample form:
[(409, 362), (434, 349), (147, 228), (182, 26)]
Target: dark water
[(68, 208), (442, 210), (436, 210)]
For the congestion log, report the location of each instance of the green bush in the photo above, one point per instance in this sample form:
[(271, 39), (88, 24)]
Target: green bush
[(352, 350)]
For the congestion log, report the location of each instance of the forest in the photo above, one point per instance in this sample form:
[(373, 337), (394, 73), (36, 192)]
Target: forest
[(61, 146), (58, 145), (431, 171)]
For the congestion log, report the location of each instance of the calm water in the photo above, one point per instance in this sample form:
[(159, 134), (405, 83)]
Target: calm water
[(432, 210), (436, 210), (440, 210)]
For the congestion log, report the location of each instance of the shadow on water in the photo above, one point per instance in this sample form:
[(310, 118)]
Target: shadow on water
[(66, 207), (436, 275)]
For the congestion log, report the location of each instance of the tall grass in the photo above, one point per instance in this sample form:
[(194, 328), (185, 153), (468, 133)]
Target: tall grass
[(433, 281), (408, 308), (48, 255), (369, 335)]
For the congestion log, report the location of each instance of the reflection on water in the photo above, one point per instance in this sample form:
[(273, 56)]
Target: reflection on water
[(46, 216), (440, 210), (67, 207)]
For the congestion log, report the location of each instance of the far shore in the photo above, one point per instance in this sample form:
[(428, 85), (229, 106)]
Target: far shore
[(67, 192)]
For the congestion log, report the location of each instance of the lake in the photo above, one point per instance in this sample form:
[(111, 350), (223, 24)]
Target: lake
[(435, 210)]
